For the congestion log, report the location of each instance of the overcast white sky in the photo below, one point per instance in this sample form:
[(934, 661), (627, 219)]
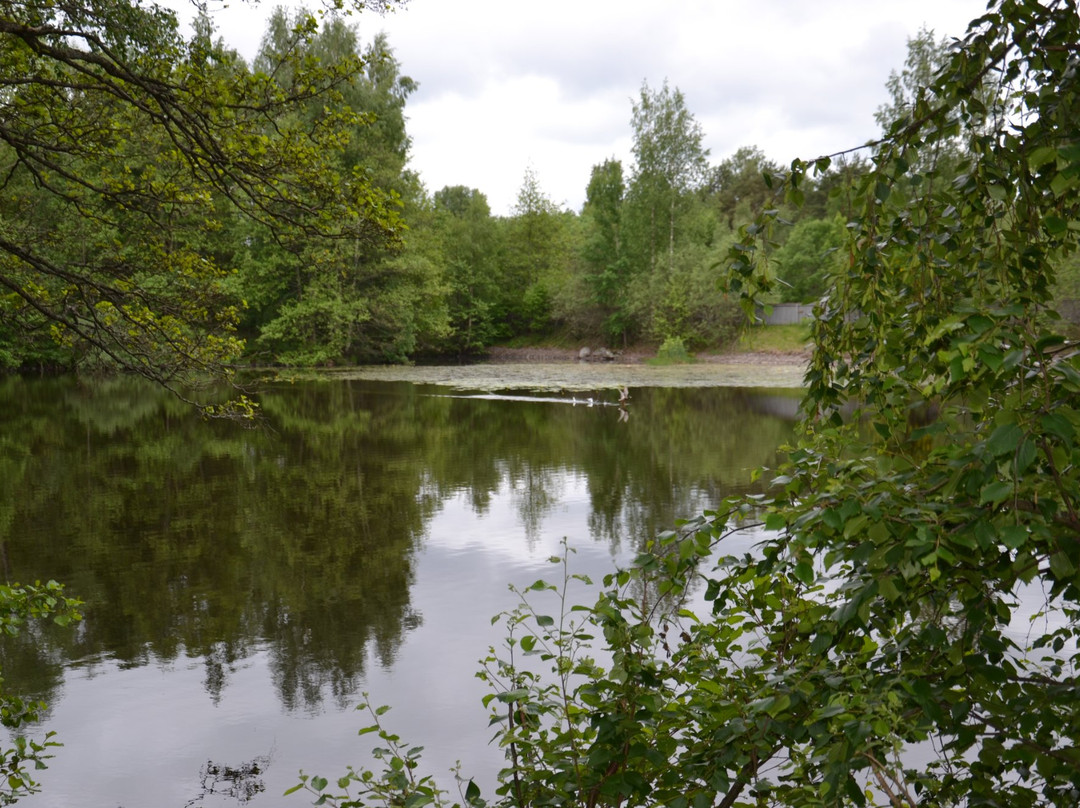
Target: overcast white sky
[(507, 84)]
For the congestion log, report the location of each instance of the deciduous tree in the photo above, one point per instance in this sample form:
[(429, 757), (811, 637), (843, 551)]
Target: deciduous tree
[(607, 265), (537, 251), (926, 54), (670, 161), (738, 186), (353, 298), (470, 254), (137, 142)]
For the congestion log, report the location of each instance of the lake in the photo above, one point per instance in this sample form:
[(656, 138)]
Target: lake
[(245, 587)]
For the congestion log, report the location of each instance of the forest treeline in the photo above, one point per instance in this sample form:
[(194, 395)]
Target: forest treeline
[(638, 263), (416, 273), (398, 273)]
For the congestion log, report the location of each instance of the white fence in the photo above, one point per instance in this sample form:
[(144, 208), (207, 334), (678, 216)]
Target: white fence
[(792, 313), (785, 314)]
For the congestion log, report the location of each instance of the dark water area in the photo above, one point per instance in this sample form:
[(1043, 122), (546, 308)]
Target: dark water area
[(245, 587)]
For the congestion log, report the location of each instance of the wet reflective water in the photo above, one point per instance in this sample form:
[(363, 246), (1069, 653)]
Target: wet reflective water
[(244, 587)]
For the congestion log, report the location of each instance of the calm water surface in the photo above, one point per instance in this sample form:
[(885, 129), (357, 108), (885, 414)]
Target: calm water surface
[(243, 588)]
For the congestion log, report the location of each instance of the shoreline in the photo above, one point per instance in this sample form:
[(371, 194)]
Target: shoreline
[(633, 356), (561, 371)]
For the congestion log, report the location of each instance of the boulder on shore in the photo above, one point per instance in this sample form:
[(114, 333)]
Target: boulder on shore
[(599, 355)]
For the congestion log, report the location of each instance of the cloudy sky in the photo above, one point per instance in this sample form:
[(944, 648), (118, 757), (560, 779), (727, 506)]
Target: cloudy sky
[(506, 85)]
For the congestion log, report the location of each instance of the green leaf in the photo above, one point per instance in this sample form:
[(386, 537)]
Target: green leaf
[(821, 643), (1061, 566), (1055, 225), (1004, 440), (1025, 455), (779, 704), (774, 521), (1062, 184), (979, 323), (1043, 344), (1059, 426), (1012, 536), (472, 792), (1042, 156), (418, 799), (804, 571), (888, 589), (995, 492), (992, 356), (512, 696), (855, 525)]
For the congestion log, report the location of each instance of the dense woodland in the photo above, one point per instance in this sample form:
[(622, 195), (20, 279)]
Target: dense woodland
[(406, 273)]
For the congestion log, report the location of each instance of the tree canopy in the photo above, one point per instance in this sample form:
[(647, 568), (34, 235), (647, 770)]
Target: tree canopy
[(124, 147)]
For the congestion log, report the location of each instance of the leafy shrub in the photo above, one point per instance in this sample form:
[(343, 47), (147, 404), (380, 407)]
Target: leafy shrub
[(673, 351)]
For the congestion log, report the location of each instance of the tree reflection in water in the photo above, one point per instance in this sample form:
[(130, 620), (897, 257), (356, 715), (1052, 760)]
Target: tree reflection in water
[(201, 541)]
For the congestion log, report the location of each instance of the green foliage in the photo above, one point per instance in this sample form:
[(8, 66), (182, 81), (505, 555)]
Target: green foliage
[(908, 90), (538, 246), (470, 253), (650, 247), (686, 301), (738, 185), (670, 163), (357, 298), (606, 266), (124, 146), (18, 605), (673, 351), (809, 259), (396, 784), (948, 488), (871, 649)]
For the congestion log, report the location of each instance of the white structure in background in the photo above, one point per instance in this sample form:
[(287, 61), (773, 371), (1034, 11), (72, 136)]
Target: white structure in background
[(785, 314)]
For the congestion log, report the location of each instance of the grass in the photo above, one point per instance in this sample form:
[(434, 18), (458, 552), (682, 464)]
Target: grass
[(775, 338)]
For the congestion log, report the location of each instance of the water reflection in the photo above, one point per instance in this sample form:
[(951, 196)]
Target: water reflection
[(297, 544)]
